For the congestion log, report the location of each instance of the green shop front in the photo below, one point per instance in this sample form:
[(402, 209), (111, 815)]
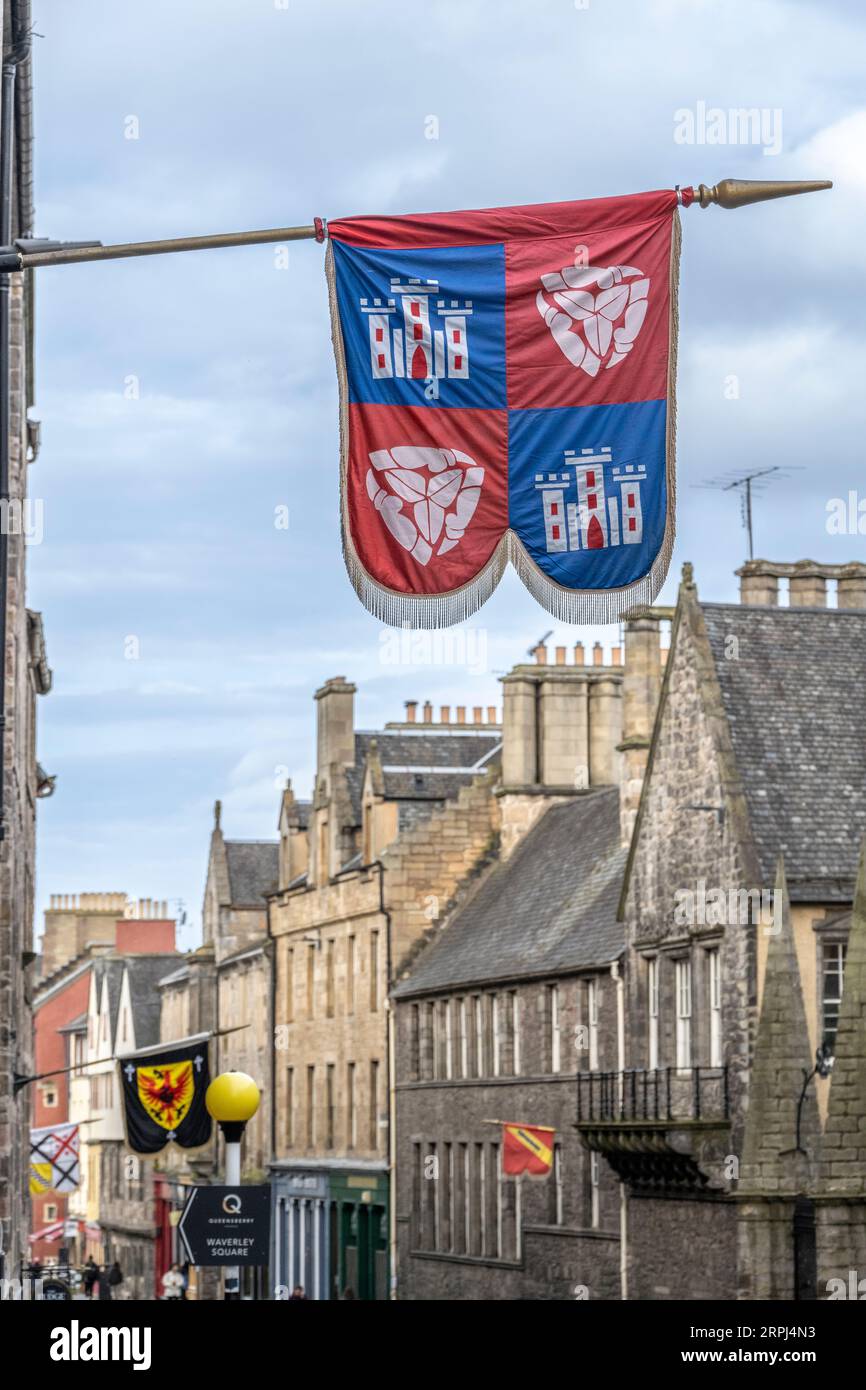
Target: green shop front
[(330, 1230)]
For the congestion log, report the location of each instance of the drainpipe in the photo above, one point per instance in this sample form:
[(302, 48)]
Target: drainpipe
[(617, 976), (392, 1095), (18, 52)]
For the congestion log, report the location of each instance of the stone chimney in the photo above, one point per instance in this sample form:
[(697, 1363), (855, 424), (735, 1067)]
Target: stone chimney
[(411, 711), (851, 586), (759, 584), (335, 725), (642, 679), (807, 586)]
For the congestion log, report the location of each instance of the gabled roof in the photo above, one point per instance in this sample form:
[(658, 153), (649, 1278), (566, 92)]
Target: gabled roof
[(550, 907), (793, 695), (253, 868), (145, 973)]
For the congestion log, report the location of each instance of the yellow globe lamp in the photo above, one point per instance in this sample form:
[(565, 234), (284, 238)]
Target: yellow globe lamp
[(232, 1098)]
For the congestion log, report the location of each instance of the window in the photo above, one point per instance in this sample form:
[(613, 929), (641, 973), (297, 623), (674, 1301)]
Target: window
[(594, 1194), (437, 1206), (415, 1043), (330, 947), (684, 1013), (832, 977), (555, 1043), (49, 1211), (374, 1106), (515, 1033), (290, 985), (592, 1019), (463, 1037), (290, 1107), (466, 1186), (374, 971), (351, 1109), (557, 1185), (49, 1095), (311, 1106), (350, 974), (653, 1011), (495, 1023), (323, 865), (449, 1041), (449, 1196), (311, 977), (478, 1009), (329, 1106), (481, 1204), (497, 1169), (714, 991)]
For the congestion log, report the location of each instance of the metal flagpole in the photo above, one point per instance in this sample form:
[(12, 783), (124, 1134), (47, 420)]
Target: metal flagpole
[(31, 253)]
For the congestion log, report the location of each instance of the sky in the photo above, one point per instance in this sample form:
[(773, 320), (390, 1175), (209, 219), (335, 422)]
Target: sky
[(184, 399)]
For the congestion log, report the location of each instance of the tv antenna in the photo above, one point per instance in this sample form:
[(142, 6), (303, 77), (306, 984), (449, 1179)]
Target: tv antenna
[(747, 483)]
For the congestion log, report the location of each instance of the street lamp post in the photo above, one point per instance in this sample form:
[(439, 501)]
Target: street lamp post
[(232, 1099)]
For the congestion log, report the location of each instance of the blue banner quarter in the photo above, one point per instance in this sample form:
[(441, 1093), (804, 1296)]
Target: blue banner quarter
[(507, 389)]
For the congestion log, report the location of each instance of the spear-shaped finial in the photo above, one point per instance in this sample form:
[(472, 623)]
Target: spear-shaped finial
[(736, 193)]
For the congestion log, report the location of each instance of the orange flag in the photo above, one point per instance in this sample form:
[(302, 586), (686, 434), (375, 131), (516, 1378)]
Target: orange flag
[(527, 1149)]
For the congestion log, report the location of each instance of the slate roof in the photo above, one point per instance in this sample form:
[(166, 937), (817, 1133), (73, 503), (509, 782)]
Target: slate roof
[(253, 867), (407, 757), (794, 699), (550, 907), (145, 973)]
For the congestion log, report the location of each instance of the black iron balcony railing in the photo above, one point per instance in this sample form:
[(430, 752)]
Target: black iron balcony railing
[(663, 1096)]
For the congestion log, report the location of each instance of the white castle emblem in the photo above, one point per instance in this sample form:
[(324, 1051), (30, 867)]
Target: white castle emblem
[(591, 521), (406, 342)]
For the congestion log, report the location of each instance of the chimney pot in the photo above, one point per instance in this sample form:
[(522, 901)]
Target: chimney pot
[(597, 654), (411, 711), (491, 715), (445, 714), (540, 654), (428, 712), (616, 655), (477, 714), (461, 714), (560, 656), (579, 655)]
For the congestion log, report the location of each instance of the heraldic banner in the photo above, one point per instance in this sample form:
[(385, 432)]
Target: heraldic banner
[(54, 1159), (527, 1149), (163, 1095), (507, 392)]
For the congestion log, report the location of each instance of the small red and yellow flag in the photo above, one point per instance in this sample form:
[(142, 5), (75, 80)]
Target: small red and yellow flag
[(527, 1149)]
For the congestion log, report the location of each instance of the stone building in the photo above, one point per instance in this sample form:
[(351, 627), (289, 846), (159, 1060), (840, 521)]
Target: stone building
[(80, 928), (401, 820), (741, 817), (224, 985), (25, 673), (113, 1209), (517, 994)]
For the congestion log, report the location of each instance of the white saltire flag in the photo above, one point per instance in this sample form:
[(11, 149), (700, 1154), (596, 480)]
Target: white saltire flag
[(54, 1159)]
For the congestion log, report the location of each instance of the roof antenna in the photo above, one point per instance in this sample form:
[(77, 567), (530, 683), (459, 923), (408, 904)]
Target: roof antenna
[(747, 483), (540, 643)]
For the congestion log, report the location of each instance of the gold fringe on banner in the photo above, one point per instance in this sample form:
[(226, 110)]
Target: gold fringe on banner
[(575, 606)]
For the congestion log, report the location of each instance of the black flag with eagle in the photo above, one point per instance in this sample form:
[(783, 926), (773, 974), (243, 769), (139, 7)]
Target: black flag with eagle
[(163, 1095)]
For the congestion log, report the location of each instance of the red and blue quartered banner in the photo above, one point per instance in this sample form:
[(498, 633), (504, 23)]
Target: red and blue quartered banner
[(507, 393)]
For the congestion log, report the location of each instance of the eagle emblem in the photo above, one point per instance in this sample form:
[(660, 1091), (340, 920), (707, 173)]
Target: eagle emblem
[(166, 1092)]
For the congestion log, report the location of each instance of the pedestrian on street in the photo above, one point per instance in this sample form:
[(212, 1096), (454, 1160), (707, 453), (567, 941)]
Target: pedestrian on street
[(172, 1285), (104, 1283), (298, 1295), (91, 1276), (115, 1276)]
